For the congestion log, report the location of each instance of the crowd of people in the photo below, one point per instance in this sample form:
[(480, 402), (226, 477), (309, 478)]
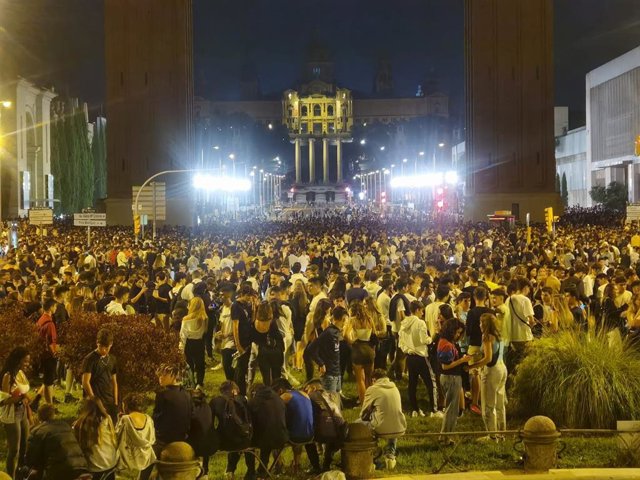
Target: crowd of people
[(305, 302)]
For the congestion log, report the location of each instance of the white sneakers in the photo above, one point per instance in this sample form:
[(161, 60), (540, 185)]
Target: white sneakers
[(389, 462), (437, 414), (417, 414)]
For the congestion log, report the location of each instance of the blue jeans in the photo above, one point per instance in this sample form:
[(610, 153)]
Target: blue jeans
[(331, 383)]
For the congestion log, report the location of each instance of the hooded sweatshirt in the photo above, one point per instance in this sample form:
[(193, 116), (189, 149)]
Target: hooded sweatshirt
[(413, 336), (383, 397), (135, 445)]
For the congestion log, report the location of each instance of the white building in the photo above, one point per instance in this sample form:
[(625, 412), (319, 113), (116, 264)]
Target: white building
[(25, 154), (613, 122), (571, 160)]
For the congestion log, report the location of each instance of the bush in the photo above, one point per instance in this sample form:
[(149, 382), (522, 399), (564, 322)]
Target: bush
[(138, 346), (19, 331), (578, 381)]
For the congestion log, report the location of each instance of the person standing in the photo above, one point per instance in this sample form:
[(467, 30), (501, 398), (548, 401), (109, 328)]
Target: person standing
[(192, 330), (451, 364), (474, 337), (522, 320), (99, 373), (242, 318), (227, 342), (414, 340), (49, 333), (13, 403)]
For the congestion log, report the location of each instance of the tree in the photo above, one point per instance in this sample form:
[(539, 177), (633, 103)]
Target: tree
[(99, 154), (558, 182), (614, 196), (564, 191)]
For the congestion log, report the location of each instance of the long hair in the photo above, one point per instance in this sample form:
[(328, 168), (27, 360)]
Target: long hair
[(358, 316), (197, 311), (489, 325), (87, 427), (299, 296), (563, 314), (12, 363), (449, 329), (319, 314)]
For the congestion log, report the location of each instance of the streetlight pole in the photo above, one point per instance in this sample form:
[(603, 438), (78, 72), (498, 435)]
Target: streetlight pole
[(148, 180)]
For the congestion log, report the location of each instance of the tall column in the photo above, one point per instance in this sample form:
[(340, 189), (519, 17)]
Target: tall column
[(339, 160), (325, 160), (298, 163), (312, 161)]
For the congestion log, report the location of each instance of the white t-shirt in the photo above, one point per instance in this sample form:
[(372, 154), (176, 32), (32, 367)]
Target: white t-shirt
[(226, 327), (520, 309)]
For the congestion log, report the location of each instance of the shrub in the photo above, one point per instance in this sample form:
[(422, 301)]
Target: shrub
[(578, 381), (19, 331), (138, 346)]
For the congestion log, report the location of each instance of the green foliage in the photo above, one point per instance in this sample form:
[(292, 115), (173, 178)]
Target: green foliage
[(614, 196), (71, 161), (138, 345), (18, 331), (578, 381), (564, 191), (558, 182)]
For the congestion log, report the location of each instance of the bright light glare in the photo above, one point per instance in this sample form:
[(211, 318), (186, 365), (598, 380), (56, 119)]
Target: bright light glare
[(425, 181), (271, 126), (441, 144), (363, 142), (361, 195), (382, 148), (223, 183), (451, 178), (7, 103)]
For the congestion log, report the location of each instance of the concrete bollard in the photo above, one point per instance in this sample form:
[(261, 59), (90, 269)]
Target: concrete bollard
[(358, 451), (629, 443), (178, 462), (540, 440)]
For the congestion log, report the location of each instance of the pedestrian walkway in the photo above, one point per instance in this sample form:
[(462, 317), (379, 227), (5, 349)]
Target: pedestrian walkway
[(581, 473)]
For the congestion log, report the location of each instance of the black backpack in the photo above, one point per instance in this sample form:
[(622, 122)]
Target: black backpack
[(235, 428)]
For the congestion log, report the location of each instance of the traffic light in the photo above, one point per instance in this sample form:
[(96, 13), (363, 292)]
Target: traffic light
[(136, 225), (548, 218), (638, 146), (440, 198)]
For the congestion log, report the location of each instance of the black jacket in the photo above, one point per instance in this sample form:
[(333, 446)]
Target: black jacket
[(52, 448), (268, 415), (325, 350), (172, 414)]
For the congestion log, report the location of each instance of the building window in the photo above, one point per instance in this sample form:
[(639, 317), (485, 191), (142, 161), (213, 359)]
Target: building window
[(305, 111), (317, 110), (317, 128), (330, 110), (316, 72), (332, 127), (304, 127)]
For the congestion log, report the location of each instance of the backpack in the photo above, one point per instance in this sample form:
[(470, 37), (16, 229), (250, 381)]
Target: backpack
[(235, 426), (329, 427)]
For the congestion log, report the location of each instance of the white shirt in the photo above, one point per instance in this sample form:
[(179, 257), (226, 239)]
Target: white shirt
[(520, 310), (431, 313)]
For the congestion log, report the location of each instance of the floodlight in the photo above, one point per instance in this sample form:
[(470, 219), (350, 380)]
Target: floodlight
[(221, 183)]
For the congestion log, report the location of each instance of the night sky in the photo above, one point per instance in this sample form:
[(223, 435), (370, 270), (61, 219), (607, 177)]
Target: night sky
[(61, 42)]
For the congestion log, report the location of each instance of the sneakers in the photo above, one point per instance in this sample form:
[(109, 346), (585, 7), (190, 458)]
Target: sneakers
[(486, 439), (390, 462), (437, 414), (475, 409), (414, 414)]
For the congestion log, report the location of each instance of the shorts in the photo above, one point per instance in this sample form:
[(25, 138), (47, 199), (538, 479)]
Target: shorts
[(362, 353), (49, 366)]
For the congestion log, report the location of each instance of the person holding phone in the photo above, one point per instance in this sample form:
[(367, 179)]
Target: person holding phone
[(451, 364)]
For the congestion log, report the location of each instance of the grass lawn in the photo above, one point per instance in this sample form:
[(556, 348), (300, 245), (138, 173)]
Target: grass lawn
[(417, 455)]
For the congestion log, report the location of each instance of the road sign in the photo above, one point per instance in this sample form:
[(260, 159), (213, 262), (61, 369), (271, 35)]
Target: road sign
[(41, 216), (152, 201), (90, 219)]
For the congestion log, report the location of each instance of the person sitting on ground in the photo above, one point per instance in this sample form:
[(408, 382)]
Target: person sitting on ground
[(233, 426), (328, 424), (97, 438), (382, 413), (52, 449), (135, 435), (269, 423), (299, 422)]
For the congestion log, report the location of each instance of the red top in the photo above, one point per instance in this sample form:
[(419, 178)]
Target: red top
[(48, 332)]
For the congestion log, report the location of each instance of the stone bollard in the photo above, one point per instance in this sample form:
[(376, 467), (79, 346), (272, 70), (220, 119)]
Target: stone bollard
[(629, 443), (178, 462), (540, 440), (358, 451)]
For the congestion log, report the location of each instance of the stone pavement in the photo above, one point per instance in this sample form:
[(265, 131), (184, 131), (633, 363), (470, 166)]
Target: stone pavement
[(579, 473)]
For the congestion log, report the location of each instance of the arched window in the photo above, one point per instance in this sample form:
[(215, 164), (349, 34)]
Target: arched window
[(305, 111), (317, 110), (330, 110)]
